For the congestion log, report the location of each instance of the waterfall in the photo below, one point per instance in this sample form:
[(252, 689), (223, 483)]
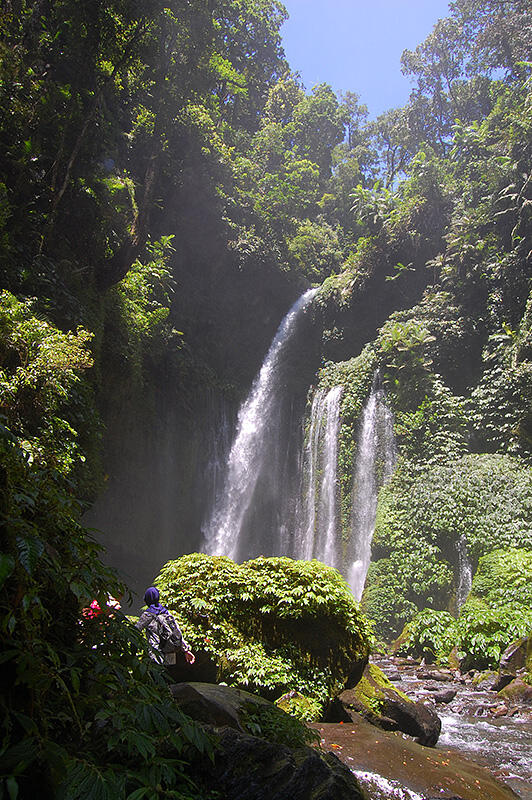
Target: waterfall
[(465, 572), (258, 423), (310, 463), (318, 538), (376, 456)]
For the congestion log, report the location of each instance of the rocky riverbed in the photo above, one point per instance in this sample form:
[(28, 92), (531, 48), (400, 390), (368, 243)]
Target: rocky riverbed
[(494, 728)]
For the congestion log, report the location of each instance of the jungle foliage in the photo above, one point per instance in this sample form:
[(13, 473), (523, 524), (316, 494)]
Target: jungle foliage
[(157, 157), (271, 625)]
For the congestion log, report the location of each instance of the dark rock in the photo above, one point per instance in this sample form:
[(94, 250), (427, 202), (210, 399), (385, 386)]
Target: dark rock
[(514, 657), (502, 681), (517, 691), (394, 676), (212, 704), (384, 706), (446, 696), (248, 768)]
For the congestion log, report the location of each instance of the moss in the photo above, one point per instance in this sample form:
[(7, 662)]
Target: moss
[(370, 690), (299, 706), (485, 675)]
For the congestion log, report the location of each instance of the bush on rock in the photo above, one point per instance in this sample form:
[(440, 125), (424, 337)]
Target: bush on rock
[(272, 625)]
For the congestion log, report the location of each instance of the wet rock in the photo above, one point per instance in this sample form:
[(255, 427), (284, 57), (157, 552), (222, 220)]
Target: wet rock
[(502, 681), (440, 675), (485, 681), (429, 773), (500, 711), (517, 692), (514, 657), (447, 696), (394, 676), (248, 768), (380, 703)]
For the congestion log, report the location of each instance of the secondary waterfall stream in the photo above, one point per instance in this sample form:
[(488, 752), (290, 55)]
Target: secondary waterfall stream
[(318, 537), (376, 456), (257, 426)]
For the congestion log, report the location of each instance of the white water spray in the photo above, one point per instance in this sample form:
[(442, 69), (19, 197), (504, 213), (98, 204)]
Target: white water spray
[(465, 572), (376, 443), (318, 536), (256, 420), (327, 549)]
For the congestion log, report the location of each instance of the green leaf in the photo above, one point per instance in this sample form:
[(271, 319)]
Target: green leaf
[(7, 565)]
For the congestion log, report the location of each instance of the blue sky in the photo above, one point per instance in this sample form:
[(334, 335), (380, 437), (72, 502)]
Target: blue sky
[(356, 45)]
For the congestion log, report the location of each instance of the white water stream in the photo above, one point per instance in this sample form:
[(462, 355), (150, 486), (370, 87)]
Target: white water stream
[(465, 572), (376, 449), (318, 537), (257, 423)]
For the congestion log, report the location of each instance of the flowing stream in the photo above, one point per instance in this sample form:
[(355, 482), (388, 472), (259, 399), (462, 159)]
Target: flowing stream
[(376, 457), (251, 457), (470, 728)]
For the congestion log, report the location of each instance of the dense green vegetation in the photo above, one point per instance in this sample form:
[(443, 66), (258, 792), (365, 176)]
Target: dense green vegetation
[(167, 187), (271, 625)]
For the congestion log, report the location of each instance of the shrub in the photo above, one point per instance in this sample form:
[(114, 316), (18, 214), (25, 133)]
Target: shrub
[(271, 624), (484, 633), (430, 635)]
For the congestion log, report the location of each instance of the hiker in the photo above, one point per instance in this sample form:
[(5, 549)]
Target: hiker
[(165, 639)]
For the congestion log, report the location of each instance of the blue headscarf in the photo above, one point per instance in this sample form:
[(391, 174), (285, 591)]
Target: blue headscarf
[(151, 598)]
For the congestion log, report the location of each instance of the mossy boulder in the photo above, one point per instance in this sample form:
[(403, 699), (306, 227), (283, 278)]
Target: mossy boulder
[(299, 706), (378, 701), (517, 692), (485, 680), (271, 625), (515, 655)]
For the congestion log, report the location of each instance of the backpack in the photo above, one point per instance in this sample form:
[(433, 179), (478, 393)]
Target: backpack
[(169, 640)]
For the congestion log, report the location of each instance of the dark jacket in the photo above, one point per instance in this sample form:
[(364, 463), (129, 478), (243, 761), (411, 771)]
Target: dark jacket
[(159, 627)]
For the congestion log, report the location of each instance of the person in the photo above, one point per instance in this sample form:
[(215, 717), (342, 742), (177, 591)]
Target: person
[(165, 639)]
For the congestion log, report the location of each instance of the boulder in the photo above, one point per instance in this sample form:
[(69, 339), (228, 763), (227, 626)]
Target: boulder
[(502, 681), (384, 706), (446, 696), (485, 681), (517, 692), (214, 705), (248, 766), (514, 657)]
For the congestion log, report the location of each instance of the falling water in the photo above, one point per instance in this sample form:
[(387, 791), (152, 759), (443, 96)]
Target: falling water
[(257, 418), (376, 448), (310, 462), (465, 572), (327, 545), (318, 538)]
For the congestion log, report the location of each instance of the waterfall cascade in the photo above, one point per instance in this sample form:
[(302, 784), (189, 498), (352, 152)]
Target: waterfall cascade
[(251, 456), (318, 535), (376, 456), (465, 572)]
